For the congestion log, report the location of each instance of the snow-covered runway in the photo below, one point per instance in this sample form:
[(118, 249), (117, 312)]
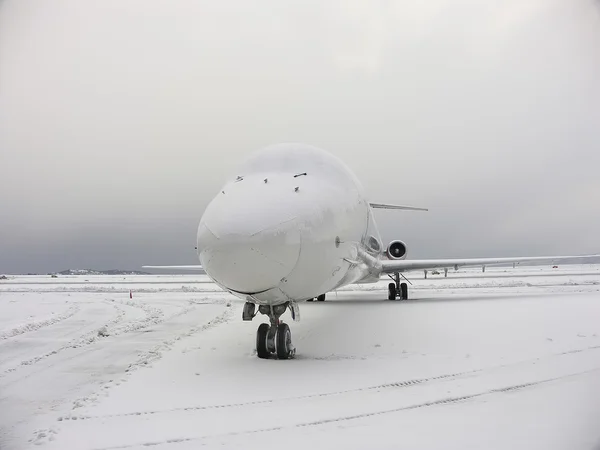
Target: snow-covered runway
[(509, 358)]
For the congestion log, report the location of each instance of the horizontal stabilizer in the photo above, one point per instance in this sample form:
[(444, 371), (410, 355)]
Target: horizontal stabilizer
[(193, 267), (386, 206)]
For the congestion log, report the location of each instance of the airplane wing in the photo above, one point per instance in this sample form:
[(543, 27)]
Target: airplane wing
[(391, 266), (192, 267), (386, 206)]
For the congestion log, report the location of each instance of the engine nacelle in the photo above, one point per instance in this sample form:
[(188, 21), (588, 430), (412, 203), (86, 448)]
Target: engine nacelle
[(396, 250)]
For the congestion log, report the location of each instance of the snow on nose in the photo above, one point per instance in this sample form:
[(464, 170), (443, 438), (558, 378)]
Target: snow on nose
[(248, 238), (248, 263)]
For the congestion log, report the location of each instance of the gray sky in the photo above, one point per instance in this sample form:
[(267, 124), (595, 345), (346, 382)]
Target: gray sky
[(119, 120)]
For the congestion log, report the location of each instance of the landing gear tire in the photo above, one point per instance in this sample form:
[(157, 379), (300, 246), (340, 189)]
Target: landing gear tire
[(261, 341), (283, 342), (403, 291), (321, 298), (392, 291), (276, 337)]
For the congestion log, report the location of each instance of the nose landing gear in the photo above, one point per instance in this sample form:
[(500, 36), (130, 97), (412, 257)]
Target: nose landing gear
[(275, 338)]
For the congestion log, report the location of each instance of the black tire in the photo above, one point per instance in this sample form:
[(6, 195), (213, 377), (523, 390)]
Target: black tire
[(404, 291), (283, 341), (392, 291), (261, 341), (321, 298)]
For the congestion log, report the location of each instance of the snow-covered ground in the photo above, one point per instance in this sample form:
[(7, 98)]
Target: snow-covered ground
[(509, 358)]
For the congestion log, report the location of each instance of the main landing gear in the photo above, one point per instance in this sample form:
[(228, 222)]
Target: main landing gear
[(275, 338), (397, 289)]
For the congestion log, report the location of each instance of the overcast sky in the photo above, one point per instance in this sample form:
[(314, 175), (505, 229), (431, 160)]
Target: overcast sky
[(119, 120)]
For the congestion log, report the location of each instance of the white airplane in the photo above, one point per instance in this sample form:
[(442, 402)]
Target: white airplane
[(294, 224)]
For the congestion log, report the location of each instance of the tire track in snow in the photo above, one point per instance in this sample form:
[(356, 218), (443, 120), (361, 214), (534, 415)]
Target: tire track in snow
[(397, 384), (392, 385), (43, 435), (431, 403), (153, 316), (83, 340), (579, 350), (439, 402), (36, 325), (157, 351), (149, 356)]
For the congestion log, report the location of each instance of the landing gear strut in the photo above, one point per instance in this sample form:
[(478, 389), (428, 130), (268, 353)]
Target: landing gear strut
[(275, 338), (397, 289)]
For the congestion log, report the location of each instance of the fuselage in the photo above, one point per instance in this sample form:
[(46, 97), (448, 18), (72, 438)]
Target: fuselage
[(291, 224)]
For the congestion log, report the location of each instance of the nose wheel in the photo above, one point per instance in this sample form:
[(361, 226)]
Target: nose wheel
[(262, 350), (283, 342), (276, 338)]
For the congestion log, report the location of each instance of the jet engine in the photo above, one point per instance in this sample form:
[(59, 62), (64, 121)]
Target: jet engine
[(396, 250)]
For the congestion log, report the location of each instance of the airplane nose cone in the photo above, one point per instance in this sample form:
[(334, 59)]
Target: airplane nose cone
[(248, 263), (246, 245)]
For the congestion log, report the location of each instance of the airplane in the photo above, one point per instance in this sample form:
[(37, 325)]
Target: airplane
[(294, 224)]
